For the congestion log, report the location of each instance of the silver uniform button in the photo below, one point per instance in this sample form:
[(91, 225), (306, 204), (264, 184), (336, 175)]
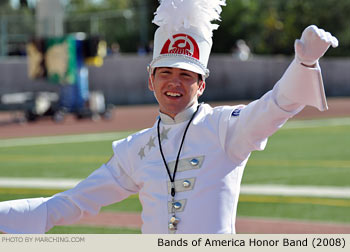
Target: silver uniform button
[(174, 220), (194, 162), (177, 205), (186, 183)]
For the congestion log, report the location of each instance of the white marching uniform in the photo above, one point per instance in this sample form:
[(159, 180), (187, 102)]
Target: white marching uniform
[(216, 149)]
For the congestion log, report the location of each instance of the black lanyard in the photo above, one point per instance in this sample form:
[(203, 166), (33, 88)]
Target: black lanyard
[(172, 178)]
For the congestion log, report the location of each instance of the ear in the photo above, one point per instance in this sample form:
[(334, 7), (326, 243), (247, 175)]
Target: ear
[(150, 82), (201, 88)]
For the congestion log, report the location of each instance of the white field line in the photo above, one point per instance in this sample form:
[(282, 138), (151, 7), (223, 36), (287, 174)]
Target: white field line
[(306, 191), (299, 124), (39, 183), (281, 190), (81, 138), (30, 141)]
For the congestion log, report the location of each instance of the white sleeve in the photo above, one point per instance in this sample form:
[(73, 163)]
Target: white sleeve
[(249, 129), (301, 85), (107, 185), (24, 216)]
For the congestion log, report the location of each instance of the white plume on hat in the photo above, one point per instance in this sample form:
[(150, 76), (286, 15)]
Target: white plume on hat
[(172, 15), (189, 24)]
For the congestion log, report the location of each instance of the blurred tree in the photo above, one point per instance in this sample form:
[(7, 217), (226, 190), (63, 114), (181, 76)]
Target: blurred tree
[(268, 27), (23, 3), (271, 26), (4, 2), (5, 6), (126, 22)]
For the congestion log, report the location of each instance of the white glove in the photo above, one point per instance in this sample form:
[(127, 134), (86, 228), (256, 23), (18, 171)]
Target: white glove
[(313, 44)]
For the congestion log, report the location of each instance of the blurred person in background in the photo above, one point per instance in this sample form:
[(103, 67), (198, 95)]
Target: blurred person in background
[(241, 50), (114, 49)]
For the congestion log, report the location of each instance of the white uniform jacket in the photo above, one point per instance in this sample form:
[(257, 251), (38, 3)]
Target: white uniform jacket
[(215, 151)]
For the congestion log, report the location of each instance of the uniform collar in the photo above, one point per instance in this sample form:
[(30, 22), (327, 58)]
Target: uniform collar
[(180, 117)]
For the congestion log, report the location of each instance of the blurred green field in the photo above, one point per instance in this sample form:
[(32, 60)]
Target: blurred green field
[(307, 156), (317, 155)]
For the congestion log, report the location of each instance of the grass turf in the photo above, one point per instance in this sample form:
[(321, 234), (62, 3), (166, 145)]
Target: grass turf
[(309, 156)]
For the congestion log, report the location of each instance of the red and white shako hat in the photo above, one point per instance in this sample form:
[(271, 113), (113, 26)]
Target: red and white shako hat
[(184, 37)]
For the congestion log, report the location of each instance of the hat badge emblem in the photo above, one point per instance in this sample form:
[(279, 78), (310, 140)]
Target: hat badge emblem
[(181, 44)]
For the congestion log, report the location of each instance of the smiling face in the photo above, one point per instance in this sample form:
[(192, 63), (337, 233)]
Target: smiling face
[(175, 89)]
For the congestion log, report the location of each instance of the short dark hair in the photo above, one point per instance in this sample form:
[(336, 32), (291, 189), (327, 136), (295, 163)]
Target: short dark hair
[(200, 77)]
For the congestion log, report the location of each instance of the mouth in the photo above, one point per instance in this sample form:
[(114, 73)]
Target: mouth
[(173, 94)]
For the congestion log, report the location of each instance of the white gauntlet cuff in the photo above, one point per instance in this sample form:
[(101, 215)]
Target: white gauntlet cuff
[(302, 85)]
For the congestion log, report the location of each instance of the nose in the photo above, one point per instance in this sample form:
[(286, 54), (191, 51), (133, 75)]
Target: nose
[(175, 81)]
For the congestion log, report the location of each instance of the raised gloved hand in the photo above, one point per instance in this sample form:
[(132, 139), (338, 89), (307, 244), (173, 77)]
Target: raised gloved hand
[(313, 44)]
